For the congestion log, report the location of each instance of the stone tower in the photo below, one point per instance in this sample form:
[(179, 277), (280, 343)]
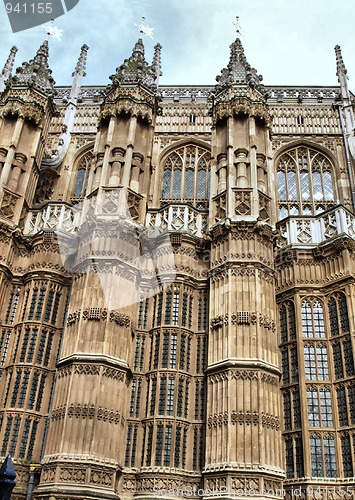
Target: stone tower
[(243, 401)]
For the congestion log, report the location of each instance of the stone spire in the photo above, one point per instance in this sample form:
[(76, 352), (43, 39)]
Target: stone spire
[(58, 154), (36, 72), (79, 73), (6, 72), (342, 73), (136, 70), (346, 100), (156, 64), (238, 71)]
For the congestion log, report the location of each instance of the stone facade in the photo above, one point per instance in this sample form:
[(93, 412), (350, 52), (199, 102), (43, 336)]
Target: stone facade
[(176, 280)]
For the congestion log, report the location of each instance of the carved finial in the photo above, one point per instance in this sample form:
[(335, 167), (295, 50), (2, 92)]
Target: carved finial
[(81, 65), (7, 70), (156, 64), (36, 73)]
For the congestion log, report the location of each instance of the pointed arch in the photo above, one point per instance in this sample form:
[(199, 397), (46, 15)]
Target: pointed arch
[(185, 173), (305, 178)]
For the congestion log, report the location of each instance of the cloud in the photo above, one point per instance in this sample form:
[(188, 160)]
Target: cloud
[(285, 45)]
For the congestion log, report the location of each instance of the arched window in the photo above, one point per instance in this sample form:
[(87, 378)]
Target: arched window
[(305, 184), (186, 176), (82, 177)]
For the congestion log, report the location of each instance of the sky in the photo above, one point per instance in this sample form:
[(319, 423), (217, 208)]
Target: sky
[(289, 42)]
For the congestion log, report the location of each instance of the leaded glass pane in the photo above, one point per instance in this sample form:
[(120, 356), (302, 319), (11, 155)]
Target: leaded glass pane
[(287, 410), (177, 447), (307, 319), (309, 360), (285, 367), (176, 302), (347, 456), (317, 186), (299, 457), (305, 191), (291, 321), (296, 409), (176, 184), (128, 445), (351, 396), (153, 396), (292, 186), (159, 445), (281, 183), (165, 192), (322, 362), (167, 445), (201, 184), (316, 456), (294, 364), (180, 398), (333, 316), (290, 470), (313, 407), (162, 395), (170, 400), (328, 186), (329, 456), (338, 362), (318, 320), (348, 358), (283, 324), (342, 408), (168, 308), (79, 184), (326, 407), (189, 184), (165, 354), (343, 310)]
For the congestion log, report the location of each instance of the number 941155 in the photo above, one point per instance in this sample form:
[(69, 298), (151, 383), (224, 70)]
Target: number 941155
[(29, 8)]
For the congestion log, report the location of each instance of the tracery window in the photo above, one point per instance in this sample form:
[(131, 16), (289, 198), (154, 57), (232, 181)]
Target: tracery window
[(82, 177), (305, 183), (186, 175)]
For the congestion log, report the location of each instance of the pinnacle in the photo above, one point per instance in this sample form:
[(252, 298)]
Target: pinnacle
[(136, 69), (238, 70), (36, 73), (339, 61)]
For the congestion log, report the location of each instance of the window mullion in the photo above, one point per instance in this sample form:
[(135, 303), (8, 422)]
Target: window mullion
[(311, 190), (194, 191), (298, 184), (183, 175)]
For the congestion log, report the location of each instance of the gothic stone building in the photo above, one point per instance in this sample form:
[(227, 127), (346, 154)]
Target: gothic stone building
[(196, 338)]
